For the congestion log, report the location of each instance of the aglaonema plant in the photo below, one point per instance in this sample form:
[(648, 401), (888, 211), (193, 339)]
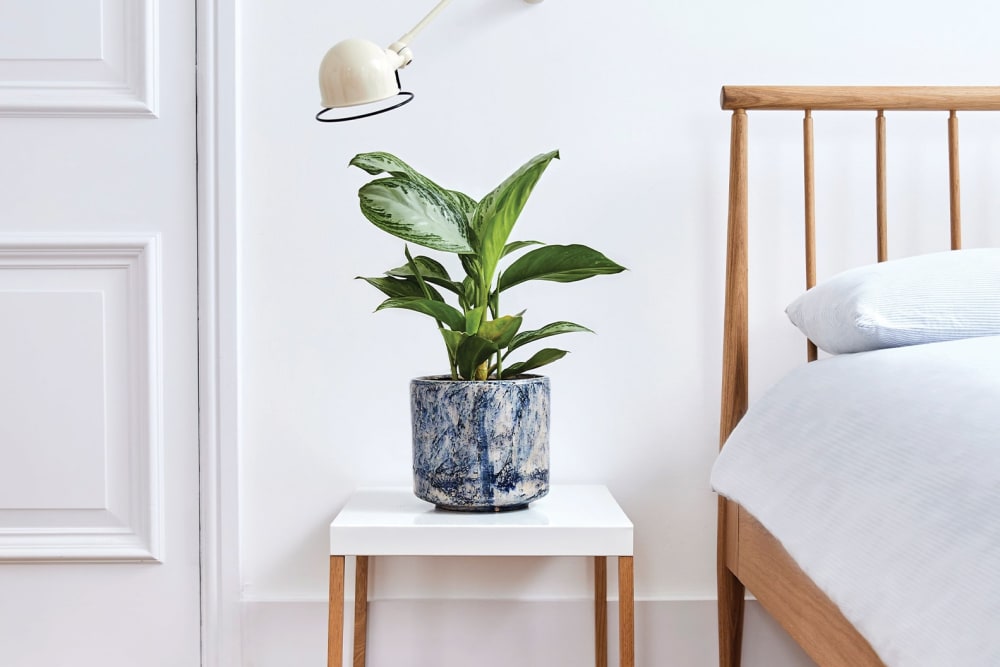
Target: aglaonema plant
[(477, 337)]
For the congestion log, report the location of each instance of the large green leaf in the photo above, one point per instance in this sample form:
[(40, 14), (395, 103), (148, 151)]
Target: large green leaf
[(430, 270), (560, 263), (553, 329), (518, 245), (397, 287), (436, 309), (494, 302), (472, 352), (416, 212), (497, 212), (474, 319), (501, 330), (380, 162), (452, 339), (537, 360)]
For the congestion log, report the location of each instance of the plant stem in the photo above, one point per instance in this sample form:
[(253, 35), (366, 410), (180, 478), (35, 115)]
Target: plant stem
[(494, 301)]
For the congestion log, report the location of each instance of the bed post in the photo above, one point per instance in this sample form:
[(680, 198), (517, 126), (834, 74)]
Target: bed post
[(734, 385)]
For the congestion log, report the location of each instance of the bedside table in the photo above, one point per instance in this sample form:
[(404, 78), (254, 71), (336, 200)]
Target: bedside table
[(580, 520)]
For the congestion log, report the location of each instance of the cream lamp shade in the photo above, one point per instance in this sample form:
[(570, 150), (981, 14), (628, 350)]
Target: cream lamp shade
[(357, 71), (363, 78)]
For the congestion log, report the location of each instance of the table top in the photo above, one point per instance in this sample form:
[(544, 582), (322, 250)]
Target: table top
[(572, 520)]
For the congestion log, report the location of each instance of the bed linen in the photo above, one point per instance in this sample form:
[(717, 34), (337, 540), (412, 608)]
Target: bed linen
[(879, 472)]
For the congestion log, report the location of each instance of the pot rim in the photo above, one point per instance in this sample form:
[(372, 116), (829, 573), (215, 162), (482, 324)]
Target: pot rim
[(526, 378)]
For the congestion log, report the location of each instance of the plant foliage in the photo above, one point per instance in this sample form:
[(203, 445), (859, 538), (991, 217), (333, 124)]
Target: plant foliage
[(478, 338)]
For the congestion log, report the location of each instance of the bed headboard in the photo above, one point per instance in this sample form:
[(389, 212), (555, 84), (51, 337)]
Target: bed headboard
[(876, 99)]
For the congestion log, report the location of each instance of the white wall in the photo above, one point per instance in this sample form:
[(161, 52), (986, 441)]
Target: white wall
[(628, 91)]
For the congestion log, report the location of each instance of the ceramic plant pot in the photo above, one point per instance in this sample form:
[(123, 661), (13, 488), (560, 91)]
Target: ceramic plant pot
[(480, 446)]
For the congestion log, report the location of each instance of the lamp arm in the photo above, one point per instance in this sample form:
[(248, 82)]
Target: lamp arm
[(401, 45)]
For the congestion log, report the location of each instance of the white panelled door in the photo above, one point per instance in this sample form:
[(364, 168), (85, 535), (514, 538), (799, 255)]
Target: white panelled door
[(99, 551)]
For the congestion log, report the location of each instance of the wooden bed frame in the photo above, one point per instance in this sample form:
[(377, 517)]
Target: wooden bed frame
[(749, 558)]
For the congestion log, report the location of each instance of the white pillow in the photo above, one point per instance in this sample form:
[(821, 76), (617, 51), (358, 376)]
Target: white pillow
[(921, 299)]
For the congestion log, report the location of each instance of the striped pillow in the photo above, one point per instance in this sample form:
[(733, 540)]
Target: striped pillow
[(921, 299)]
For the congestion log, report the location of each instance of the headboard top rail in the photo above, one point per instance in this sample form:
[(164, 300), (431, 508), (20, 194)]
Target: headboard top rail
[(862, 98)]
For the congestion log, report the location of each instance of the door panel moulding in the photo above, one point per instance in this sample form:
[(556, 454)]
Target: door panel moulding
[(103, 63), (86, 332)]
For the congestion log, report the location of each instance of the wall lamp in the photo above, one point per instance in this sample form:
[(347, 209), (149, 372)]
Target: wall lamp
[(363, 78)]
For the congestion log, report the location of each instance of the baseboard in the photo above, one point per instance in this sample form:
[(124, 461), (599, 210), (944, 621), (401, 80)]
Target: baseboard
[(498, 633)]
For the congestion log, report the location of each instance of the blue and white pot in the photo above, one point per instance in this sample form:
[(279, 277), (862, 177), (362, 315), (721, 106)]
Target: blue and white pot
[(480, 446)]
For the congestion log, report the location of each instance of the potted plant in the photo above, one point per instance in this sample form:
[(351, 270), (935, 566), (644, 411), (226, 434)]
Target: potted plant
[(480, 432)]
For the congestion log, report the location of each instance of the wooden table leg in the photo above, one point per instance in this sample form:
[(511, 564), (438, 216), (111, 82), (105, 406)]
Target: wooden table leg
[(335, 632), (626, 612), (360, 610), (601, 610)]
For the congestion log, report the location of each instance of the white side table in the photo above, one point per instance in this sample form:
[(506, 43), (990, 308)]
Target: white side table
[(569, 521)]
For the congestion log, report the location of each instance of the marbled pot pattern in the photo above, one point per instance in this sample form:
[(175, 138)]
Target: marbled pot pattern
[(480, 446)]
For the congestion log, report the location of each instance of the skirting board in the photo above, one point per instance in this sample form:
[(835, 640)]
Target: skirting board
[(498, 633)]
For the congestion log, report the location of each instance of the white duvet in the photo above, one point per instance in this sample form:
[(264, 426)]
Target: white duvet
[(879, 472)]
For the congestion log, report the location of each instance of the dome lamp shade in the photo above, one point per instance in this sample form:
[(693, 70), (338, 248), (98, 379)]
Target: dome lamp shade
[(355, 73)]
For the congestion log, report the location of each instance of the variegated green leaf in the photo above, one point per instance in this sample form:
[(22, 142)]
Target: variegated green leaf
[(463, 201), (386, 163), (472, 266), (397, 287), (416, 212), (470, 286), (537, 360), (428, 267), (431, 270), (436, 309), (468, 295), (553, 329), (380, 162), (559, 263)]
